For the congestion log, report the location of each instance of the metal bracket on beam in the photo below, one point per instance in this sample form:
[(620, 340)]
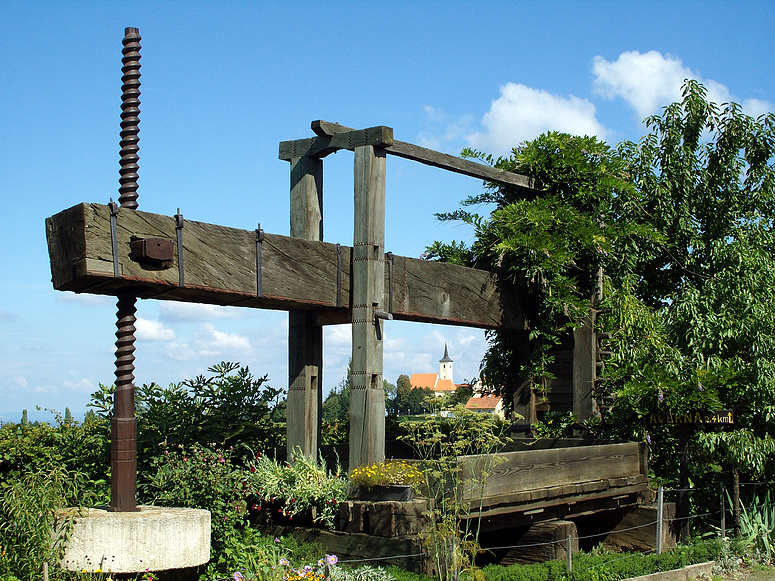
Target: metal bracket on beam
[(259, 243), (114, 237), (179, 232), (338, 275), (382, 315), (390, 282)]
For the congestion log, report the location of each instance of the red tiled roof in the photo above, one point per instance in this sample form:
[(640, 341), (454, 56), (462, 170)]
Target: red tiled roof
[(423, 380), (444, 385), (486, 402)]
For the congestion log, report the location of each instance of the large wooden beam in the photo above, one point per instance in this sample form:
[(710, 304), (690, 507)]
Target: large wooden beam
[(220, 268)]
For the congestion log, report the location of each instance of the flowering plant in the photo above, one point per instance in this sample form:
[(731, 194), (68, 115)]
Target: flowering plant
[(297, 487), (387, 473)]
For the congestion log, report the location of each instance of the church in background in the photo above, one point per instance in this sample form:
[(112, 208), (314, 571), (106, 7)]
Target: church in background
[(442, 383)]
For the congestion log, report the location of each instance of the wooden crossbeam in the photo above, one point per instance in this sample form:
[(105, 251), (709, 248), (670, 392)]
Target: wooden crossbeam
[(332, 136), (220, 268), (324, 145)]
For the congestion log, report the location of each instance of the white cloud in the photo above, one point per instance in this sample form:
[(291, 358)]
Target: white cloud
[(210, 342), (444, 132), (20, 381), (148, 330), (84, 299), (197, 313), (522, 113), (82, 385), (650, 81)]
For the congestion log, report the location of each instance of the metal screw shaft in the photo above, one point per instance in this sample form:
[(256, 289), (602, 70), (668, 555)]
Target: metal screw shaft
[(123, 446), (130, 119)]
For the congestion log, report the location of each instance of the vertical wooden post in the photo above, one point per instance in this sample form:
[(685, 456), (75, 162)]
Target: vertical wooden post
[(584, 361), (367, 398), (524, 400), (305, 339)]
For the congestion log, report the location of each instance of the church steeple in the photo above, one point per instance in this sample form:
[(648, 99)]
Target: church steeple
[(445, 365)]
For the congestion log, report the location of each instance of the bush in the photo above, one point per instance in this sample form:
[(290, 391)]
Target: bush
[(29, 512), (295, 488)]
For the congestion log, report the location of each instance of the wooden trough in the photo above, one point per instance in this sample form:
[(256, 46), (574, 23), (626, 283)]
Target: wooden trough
[(570, 479)]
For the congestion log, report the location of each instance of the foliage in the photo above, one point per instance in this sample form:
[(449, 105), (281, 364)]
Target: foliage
[(758, 527), (197, 477), (296, 488), (248, 554), (694, 312), (555, 425), (408, 400), (30, 510), (607, 566), (454, 484), (230, 408), (336, 407), (550, 242), (389, 472), (81, 448)]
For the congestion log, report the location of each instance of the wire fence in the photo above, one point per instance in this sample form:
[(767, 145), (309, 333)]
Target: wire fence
[(659, 524)]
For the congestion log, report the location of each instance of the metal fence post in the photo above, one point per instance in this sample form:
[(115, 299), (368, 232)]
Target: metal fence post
[(660, 517), (722, 492)]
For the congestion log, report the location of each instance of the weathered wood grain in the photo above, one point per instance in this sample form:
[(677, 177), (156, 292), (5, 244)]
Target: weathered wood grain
[(220, 268), (324, 145), (430, 157), (527, 471)]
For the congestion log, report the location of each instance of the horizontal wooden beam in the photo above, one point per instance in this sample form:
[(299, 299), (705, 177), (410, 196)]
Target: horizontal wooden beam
[(296, 274), (321, 146), (430, 157)]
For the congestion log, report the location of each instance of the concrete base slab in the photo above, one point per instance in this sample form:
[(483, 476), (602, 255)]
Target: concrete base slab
[(154, 538)]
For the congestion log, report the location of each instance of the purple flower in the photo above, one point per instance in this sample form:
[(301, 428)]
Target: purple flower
[(238, 576), (661, 396), (332, 559), (648, 438), (284, 562)]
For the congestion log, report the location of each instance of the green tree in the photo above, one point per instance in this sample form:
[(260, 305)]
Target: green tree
[(694, 311), (399, 404), (336, 407), (551, 242), (681, 225)]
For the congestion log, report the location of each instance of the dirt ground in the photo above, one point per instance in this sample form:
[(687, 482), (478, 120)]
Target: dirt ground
[(752, 574)]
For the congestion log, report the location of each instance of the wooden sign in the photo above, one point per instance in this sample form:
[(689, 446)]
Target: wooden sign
[(696, 417)]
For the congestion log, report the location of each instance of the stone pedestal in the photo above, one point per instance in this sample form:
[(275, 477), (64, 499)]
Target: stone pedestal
[(154, 538)]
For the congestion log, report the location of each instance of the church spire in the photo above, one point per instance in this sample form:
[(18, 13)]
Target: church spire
[(445, 365)]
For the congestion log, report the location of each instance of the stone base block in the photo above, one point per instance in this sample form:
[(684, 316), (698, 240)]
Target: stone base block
[(154, 538)]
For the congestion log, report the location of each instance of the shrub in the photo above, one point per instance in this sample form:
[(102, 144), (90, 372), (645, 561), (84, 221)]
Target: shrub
[(297, 487), (29, 512), (198, 477)]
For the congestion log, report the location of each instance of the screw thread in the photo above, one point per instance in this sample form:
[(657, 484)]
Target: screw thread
[(130, 119), (125, 355)]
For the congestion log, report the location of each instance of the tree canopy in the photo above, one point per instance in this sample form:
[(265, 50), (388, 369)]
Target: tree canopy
[(678, 230)]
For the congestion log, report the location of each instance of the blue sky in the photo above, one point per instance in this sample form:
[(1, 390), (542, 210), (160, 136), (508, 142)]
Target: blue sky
[(224, 82)]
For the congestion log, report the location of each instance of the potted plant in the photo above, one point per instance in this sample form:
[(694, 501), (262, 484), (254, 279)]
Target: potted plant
[(388, 480)]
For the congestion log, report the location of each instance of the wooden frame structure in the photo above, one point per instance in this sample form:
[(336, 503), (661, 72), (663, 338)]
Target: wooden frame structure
[(100, 250)]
